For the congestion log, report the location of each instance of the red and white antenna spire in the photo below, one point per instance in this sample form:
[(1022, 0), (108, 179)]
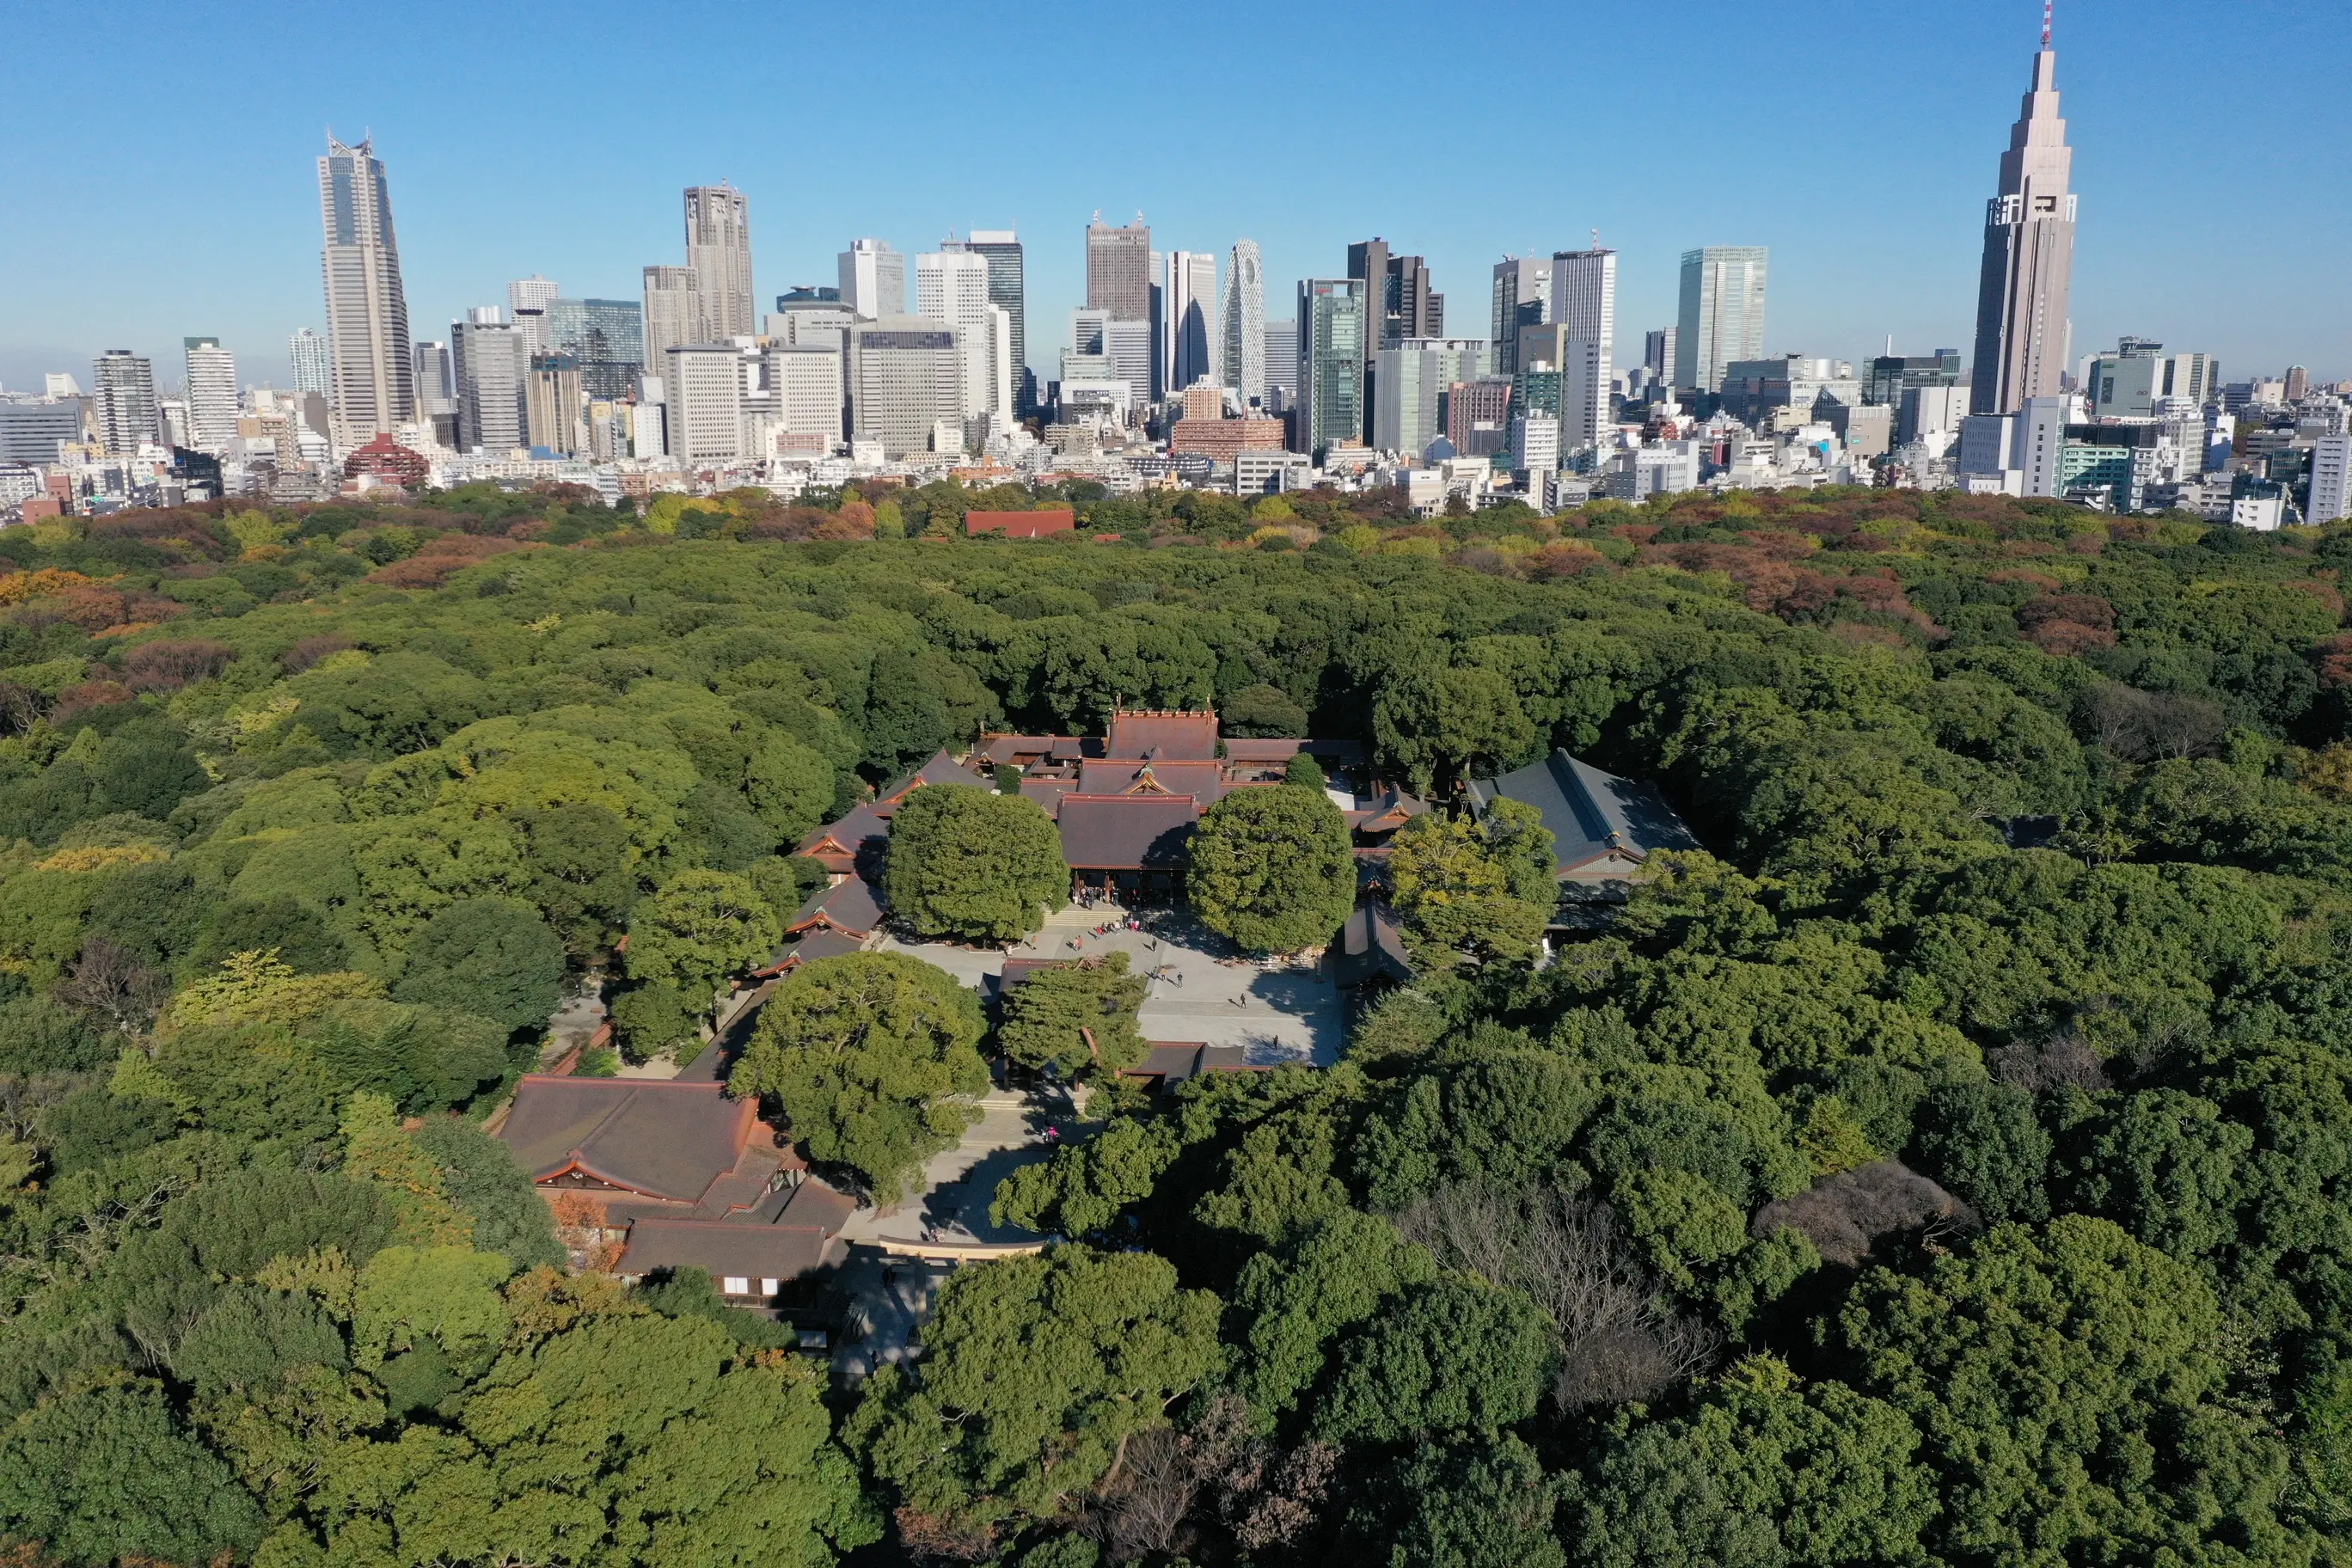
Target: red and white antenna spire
[(2045, 22)]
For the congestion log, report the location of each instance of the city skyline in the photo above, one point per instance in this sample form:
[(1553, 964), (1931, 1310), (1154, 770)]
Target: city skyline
[(1847, 270)]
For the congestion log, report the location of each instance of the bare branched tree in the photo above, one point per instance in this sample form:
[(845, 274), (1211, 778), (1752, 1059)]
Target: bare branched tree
[(1157, 1485), (2051, 1062), (109, 981), (1618, 1341)]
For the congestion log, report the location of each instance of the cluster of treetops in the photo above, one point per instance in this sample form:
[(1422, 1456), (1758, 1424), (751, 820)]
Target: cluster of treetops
[(1874, 1189)]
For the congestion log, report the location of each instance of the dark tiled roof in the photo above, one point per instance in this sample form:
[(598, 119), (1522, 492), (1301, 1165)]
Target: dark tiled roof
[(1125, 831), (661, 1137), (1385, 812), (1588, 812), (1174, 736), (1204, 782), (1371, 946), (998, 750), (1168, 1063), (724, 1247), (852, 906), (823, 942), (941, 769), (1048, 792), (847, 836)]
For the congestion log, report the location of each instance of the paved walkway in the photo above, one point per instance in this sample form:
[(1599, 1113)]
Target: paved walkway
[(1279, 1013)]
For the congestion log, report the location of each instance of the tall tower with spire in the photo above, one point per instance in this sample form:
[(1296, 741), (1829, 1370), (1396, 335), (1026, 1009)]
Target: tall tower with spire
[(2029, 254)]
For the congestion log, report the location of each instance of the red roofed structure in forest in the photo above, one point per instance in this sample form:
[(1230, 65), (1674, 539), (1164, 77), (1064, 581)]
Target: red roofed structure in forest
[(1127, 832), (1019, 524), (1165, 735)]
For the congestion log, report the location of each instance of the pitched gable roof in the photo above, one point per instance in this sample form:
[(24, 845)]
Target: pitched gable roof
[(663, 1138), (853, 907), (941, 769), (1204, 782), (1172, 735), (1591, 814), (847, 838), (1125, 831)]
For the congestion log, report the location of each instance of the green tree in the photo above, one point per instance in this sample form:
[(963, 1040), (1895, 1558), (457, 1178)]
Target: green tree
[(871, 1057), (655, 1018), (494, 958), (110, 1472), (2046, 1370), (1519, 842), (1259, 710), (485, 1180), (1454, 1354), (1272, 869), (1982, 1139), (1297, 1300), (1303, 771), (283, 925), (969, 865), (1471, 1503), (698, 929), (577, 856), (1763, 1472), (1035, 1372), (1456, 894), (1080, 1190), (1076, 1018)]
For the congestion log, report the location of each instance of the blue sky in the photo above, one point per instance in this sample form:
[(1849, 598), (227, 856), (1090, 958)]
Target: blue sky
[(158, 182)]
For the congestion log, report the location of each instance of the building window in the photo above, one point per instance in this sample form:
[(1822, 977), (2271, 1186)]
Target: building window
[(736, 1285), (769, 1286)]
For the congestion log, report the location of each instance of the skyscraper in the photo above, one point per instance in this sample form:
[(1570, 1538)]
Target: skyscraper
[(1241, 325), (904, 378), (873, 279), (491, 362), (1008, 290), (123, 411), (367, 313), (1398, 304), (951, 286), (1584, 302), (1521, 294), (673, 314), (1333, 319), (212, 394), (1658, 351), (718, 249), (314, 363), (435, 390), (1411, 385), (1118, 270), (606, 336), (1722, 315), (1191, 303), (2029, 255), (532, 293)]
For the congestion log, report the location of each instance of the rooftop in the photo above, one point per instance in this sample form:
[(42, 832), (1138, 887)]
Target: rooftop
[(661, 1138), (1591, 814), (1125, 831), (1172, 735)]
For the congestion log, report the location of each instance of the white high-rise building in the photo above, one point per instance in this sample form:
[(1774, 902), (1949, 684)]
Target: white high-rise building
[(2331, 479), (905, 376), (124, 413), (1241, 325), (1722, 314), (1188, 310), (704, 387), (718, 250), (951, 286), (212, 394), (805, 384), (873, 279), (314, 363), (367, 311), (1584, 300), (532, 293)]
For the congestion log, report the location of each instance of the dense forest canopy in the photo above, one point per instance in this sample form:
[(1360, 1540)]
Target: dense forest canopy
[(1953, 1165)]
